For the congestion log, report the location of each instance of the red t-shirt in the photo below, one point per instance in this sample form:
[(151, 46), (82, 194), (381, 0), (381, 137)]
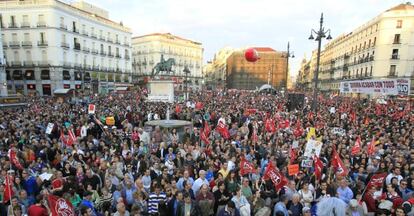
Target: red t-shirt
[(35, 210)]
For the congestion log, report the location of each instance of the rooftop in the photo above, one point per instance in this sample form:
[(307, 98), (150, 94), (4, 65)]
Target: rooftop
[(167, 35), (403, 6)]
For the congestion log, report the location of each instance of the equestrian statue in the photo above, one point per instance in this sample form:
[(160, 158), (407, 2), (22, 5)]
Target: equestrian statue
[(163, 66)]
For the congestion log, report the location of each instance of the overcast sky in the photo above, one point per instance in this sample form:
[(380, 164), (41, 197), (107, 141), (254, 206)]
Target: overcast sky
[(240, 23)]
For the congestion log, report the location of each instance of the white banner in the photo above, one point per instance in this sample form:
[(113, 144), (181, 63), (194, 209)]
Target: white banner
[(312, 148), (383, 86), (49, 128)]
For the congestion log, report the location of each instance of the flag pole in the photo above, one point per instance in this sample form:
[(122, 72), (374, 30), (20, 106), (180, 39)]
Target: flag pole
[(10, 188)]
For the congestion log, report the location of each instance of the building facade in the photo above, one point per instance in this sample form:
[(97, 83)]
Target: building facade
[(149, 49), (3, 81), (269, 69), (215, 72), (381, 48), (52, 45)]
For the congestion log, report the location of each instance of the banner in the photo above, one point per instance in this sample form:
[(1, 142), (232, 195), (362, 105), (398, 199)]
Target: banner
[(377, 180), (277, 178), (246, 167), (59, 206), (338, 131), (383, 86)]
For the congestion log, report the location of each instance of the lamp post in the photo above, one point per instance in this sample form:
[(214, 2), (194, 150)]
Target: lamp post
[(288, 54), (320, 34), (186, 71)]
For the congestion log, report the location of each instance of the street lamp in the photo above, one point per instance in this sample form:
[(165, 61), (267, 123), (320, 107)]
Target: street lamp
[(288, 54), (321, 33)]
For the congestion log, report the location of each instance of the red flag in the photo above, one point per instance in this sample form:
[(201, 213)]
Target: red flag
[(8, 189), (338, 164), (318, 167), (352, 116), (207, 129), (371, 147), (357, 146), (246, 167), (66, 140), (310, 116), (204, 136), (298, 131), (13, 159), (199, 105), (277, 178), (72, 137), (177, 108), (270, 125), (222, 129), (376, 180), (59, 206)]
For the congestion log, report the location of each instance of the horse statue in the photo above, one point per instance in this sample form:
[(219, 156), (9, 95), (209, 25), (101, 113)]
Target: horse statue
[(163, 66)]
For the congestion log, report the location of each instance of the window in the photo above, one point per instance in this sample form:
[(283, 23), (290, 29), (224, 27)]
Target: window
[(394, 54), (44, 55), (26, 37), (66, 75), (29, 75), (14, 37), (45, 75), (74, 26), (62, 21), (28, 56), (370, 72), (42, 37), (41, 20), (399, 23), (392, 70), (366, 71), (375, 40), (1, 21), (397, 39), (25, 21), (12, 21)]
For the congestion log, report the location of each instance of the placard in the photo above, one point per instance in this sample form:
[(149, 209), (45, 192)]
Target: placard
[(49, 128), (293, 169), (307, 163), (91, 109), (313, 147), (339, 131)]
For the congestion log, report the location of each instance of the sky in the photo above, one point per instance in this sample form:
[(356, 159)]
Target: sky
[(241, 23)]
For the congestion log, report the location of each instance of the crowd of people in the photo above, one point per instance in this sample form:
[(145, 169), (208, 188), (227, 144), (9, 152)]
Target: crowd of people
[(61, 159)]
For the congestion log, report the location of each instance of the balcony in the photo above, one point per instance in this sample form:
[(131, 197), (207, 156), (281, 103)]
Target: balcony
[(25, 25), (26, 44), (93, 35), (371, 58), (29, 63), (96, 68), (103, 53), (75, 30), (102, 38), (41, 24), (127, 57), (77, 46), (86, 50), (118, 42), (66, 64), (110, 54), (395, 56), (64, 45), (4, 45), (16, 63), (95, 51), (78, 66), (109, 40), (43, 64), (42, 44), (13, 25), (396, 42), (118, 56), (85, 33), (392, 74), (126, 44), (14, 44), (63, 26)]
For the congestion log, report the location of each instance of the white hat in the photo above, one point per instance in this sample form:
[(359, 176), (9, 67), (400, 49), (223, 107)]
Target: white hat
[(105, 127), (353, 203)]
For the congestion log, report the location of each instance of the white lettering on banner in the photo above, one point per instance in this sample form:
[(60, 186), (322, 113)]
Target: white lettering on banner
[(385, 86)]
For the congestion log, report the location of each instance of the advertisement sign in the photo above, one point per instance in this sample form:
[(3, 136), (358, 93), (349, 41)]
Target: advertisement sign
[(384, 86)]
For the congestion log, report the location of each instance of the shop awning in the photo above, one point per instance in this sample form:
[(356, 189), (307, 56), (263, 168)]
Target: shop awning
[(61, 91)]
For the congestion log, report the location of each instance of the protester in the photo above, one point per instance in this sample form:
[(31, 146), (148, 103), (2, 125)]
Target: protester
[(236, 160)]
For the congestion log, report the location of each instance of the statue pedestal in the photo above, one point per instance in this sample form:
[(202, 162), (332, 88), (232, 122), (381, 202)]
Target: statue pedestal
[(161, 91)]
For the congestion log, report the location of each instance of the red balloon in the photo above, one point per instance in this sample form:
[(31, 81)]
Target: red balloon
[(251, 55)]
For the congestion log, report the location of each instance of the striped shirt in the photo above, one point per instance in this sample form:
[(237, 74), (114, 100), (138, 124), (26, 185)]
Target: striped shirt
[(154, 200)]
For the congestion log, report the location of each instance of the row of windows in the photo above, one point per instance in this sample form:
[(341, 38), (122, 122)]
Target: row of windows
[(170, 50), (41, 22), (76, 44)]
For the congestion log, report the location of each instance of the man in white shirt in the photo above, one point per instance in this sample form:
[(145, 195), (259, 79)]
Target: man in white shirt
[(199, 182), (395, 173)]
